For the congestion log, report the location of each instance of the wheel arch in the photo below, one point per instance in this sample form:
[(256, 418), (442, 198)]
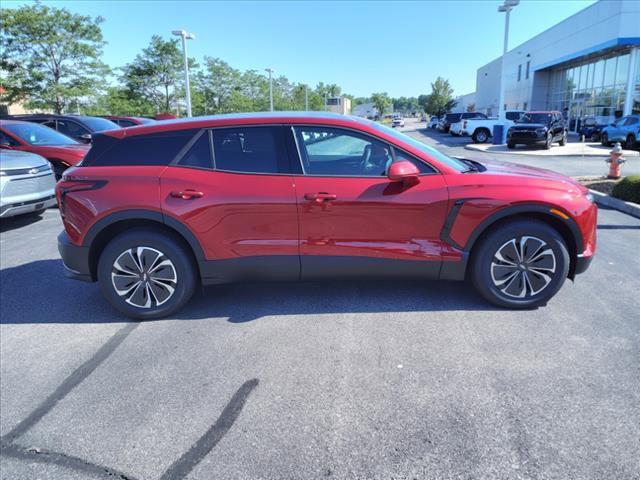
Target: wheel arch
[(567, 228), (107, 228)]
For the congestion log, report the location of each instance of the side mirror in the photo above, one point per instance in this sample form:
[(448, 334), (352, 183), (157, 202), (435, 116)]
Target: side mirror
[(405, 172), (85, 138)]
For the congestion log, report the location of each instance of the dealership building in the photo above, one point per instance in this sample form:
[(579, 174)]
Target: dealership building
[(585, 66)]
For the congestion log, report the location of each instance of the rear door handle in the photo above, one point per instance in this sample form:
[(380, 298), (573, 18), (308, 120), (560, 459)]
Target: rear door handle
[(187, 194), (320, 197)]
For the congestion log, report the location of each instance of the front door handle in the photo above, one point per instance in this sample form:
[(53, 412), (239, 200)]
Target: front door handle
[(187, 194), (320, 197)]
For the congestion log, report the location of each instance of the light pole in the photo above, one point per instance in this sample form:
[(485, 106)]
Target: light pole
[(184, 35), (270, 70), (306, 98), (506, 7)]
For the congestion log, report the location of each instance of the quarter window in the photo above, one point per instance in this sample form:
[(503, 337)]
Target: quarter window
[(250, 150), (199, 155)]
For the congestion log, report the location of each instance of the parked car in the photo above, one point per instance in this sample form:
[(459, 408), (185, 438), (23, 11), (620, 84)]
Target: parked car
[(153, 211), (79, 127), (451, 118), (433, 121), (590, 129), (542, 128), (397, 122), (423, 118), (625, 130), (61, 151), (126, 121), (481, 129), (26, 184)]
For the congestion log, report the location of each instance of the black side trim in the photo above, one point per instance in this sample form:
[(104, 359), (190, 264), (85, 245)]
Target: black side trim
[(582, 264), (321, 267), (145, 215), (455, 270), (448, 224), (74, 258), (260, 268)]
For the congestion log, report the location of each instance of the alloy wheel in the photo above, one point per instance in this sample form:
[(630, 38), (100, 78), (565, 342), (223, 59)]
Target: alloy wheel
[(144, 277), (523, 267)]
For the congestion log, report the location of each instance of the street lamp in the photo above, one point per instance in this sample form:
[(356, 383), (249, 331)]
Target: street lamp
[(506, 7), (270, 70), (184, 35)]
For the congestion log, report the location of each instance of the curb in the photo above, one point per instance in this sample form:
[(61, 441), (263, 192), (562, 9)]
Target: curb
[(608, 201), (598, 154)]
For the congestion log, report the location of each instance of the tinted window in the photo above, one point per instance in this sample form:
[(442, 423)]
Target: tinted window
[(71, 129), (199, 155), (249, 150), (153, 149), (125, 123), (337, 152), (7, 140), (631, 121), (99, 124), (513, 115)]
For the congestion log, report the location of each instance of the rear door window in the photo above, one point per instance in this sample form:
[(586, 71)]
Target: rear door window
[(250, 150), (71, 129)]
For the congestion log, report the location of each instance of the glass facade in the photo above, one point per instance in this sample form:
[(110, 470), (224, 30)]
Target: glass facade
[(594, 88)]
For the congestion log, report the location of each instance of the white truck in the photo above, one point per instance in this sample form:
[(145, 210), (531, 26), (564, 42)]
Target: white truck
[(481, 129)]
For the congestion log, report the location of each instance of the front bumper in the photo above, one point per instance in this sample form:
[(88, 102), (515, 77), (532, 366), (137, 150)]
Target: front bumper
[(528, 138), (582, 264), (75, 259), (19, 208)]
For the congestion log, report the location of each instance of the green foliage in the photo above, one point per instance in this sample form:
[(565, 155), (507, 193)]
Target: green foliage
[(49, 55), (156, 74), (382, 102), (628, 189), (120, 101), (440, 100)]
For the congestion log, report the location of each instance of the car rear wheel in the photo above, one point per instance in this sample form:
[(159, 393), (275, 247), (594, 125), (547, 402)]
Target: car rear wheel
[(631, 142), (146, 274), (480, 136), (563, 140), (520, 265), (605, 139)]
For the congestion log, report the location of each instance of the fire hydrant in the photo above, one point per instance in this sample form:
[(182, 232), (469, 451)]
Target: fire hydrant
[(615, 161)]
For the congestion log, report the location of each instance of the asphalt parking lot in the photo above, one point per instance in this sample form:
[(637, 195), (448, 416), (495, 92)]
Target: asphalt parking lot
[(384, 380)]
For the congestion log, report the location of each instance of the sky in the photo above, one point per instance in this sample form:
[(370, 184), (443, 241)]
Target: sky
[(398, 47)]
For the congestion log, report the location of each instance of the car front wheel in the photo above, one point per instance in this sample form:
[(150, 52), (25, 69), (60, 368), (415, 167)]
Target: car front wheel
[(146, 274), (520, 265), (605, 139)]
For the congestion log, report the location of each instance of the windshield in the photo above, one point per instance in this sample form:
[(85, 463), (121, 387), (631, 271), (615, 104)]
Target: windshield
[(99, 124), (534, 118), (432, 152), (38, 135)]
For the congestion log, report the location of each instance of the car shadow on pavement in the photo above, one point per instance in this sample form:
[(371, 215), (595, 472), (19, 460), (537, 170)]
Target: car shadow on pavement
[(53, 298), (11, 223)]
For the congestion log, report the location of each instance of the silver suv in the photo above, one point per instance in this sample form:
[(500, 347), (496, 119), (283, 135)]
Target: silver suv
[(26, 183)]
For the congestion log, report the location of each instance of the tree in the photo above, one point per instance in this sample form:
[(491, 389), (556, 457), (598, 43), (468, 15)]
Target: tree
[(49, 55), (119, 101), (440, 100), (156, 74), (381, 101)]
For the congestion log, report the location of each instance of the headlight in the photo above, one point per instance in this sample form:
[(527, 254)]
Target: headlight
[(2, 173)]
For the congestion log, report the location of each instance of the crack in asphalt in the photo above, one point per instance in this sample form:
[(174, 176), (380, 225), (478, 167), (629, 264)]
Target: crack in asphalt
[(69, 383), (62, 460), (177, 471)]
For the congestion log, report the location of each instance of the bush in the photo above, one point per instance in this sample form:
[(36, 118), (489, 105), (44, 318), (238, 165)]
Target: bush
[(628, 189)]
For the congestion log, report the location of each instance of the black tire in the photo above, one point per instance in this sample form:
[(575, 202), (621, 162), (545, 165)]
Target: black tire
[(481, 135), (563, 139), (179, 274), (511, 145), (631, 142), (548, 143), (604, 139), (487, 271)]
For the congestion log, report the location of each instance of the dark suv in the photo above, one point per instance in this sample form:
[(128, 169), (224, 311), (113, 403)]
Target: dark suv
[(79, 127), (538, 128)]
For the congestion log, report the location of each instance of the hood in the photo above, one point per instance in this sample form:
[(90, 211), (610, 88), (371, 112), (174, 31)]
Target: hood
[(14, 160), (528, 126), (79, 150), (517, 170)]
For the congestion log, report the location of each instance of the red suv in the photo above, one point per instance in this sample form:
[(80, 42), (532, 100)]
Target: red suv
[(154, 210)]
